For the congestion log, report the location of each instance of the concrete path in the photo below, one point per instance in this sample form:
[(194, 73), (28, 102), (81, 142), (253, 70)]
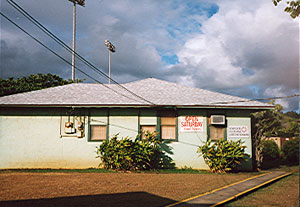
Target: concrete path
[(230, 192)]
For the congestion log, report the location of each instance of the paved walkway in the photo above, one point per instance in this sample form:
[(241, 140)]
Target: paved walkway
[(230, 192)]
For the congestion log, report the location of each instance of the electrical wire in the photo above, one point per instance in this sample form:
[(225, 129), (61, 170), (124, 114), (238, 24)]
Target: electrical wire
[(60, 42), (65, 46), (258, 99), (56, 54), (115, 125), (134, 130)]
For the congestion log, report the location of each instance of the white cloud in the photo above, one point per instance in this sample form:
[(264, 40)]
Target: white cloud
[(277, 92), (244, 44), (208, 58)]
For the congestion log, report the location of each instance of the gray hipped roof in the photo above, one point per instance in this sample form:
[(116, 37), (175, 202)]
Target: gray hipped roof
[(148, 92)]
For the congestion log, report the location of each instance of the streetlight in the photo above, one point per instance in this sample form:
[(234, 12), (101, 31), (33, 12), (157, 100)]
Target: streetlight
[(111, 48), (81, 3)]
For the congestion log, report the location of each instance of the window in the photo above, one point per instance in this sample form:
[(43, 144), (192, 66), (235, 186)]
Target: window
[(216, 131), (145, 128), (98, 132), (168, 128)]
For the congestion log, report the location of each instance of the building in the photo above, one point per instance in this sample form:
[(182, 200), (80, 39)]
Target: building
[(60, 127), (278, 140)]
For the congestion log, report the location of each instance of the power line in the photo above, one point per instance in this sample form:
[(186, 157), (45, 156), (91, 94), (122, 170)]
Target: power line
[(56, 54), (258, 99), (56, 39), (44, 29), (90, 65), (65, 46), (115, 125)]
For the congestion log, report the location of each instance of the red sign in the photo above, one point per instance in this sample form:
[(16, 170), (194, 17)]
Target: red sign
[(191, 124)]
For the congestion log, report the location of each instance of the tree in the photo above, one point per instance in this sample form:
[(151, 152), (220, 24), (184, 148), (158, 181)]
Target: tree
[(265, 124), (271, 123), (32, 82), (293, 7), (292, 114), (290, 151), (270, 154), (291, 129)]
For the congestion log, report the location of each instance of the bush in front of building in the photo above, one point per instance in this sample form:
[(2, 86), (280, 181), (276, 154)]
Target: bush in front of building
[(290, 150), (223, 156), (128, 154), (270, 154)]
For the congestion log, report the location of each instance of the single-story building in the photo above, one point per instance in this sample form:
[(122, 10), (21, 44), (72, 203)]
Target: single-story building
[(278, 140), (60, 127)]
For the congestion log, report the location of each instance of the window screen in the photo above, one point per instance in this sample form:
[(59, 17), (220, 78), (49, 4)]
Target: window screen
[(98, 132), (146, 128), (168, 120), (168, 132), (216, 132), (168, 127)]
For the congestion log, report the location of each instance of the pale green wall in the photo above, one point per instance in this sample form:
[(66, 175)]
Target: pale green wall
[(35, 142), (148, 117), (242, 121), (124, 122), (30, 138), (185, 149)]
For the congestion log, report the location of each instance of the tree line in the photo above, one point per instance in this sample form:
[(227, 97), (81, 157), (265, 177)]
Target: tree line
[(31, 83)]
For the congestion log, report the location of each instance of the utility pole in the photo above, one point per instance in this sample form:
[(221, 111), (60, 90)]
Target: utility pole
[(111, 48), (81, 3)]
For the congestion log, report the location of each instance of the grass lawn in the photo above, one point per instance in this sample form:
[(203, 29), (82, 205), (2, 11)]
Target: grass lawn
[(96, 187), (284, 192), (88, 188)]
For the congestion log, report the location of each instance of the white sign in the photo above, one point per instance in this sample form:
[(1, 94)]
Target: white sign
[(238, 131), (191, 124)]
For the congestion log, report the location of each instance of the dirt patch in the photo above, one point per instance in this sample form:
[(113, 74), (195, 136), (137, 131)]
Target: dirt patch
[(106, 189)]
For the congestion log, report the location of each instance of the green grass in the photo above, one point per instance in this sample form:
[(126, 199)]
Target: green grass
[(100, 170), (48, 170), (181, 171), (284, 192)]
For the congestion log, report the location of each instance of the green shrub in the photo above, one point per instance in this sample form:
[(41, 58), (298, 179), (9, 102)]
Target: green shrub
[(223, 156), (270, 154), (128, 154), (290, 150)]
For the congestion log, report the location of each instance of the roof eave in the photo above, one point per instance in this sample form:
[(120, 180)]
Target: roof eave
[(136, 106), (227, 107)]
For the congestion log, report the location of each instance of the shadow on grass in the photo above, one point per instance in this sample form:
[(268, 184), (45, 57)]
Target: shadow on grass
[(118, 199)]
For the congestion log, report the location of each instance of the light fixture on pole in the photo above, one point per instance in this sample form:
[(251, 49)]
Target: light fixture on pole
[(81, 3), (111, 48)]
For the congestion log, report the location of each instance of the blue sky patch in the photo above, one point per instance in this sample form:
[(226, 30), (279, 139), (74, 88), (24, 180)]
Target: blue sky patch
[(212, 10), (169, 59), (255, 89), (196, 8), (188, 22)]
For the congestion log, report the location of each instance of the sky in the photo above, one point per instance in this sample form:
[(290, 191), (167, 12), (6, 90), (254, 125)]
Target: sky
[(243, 48)]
